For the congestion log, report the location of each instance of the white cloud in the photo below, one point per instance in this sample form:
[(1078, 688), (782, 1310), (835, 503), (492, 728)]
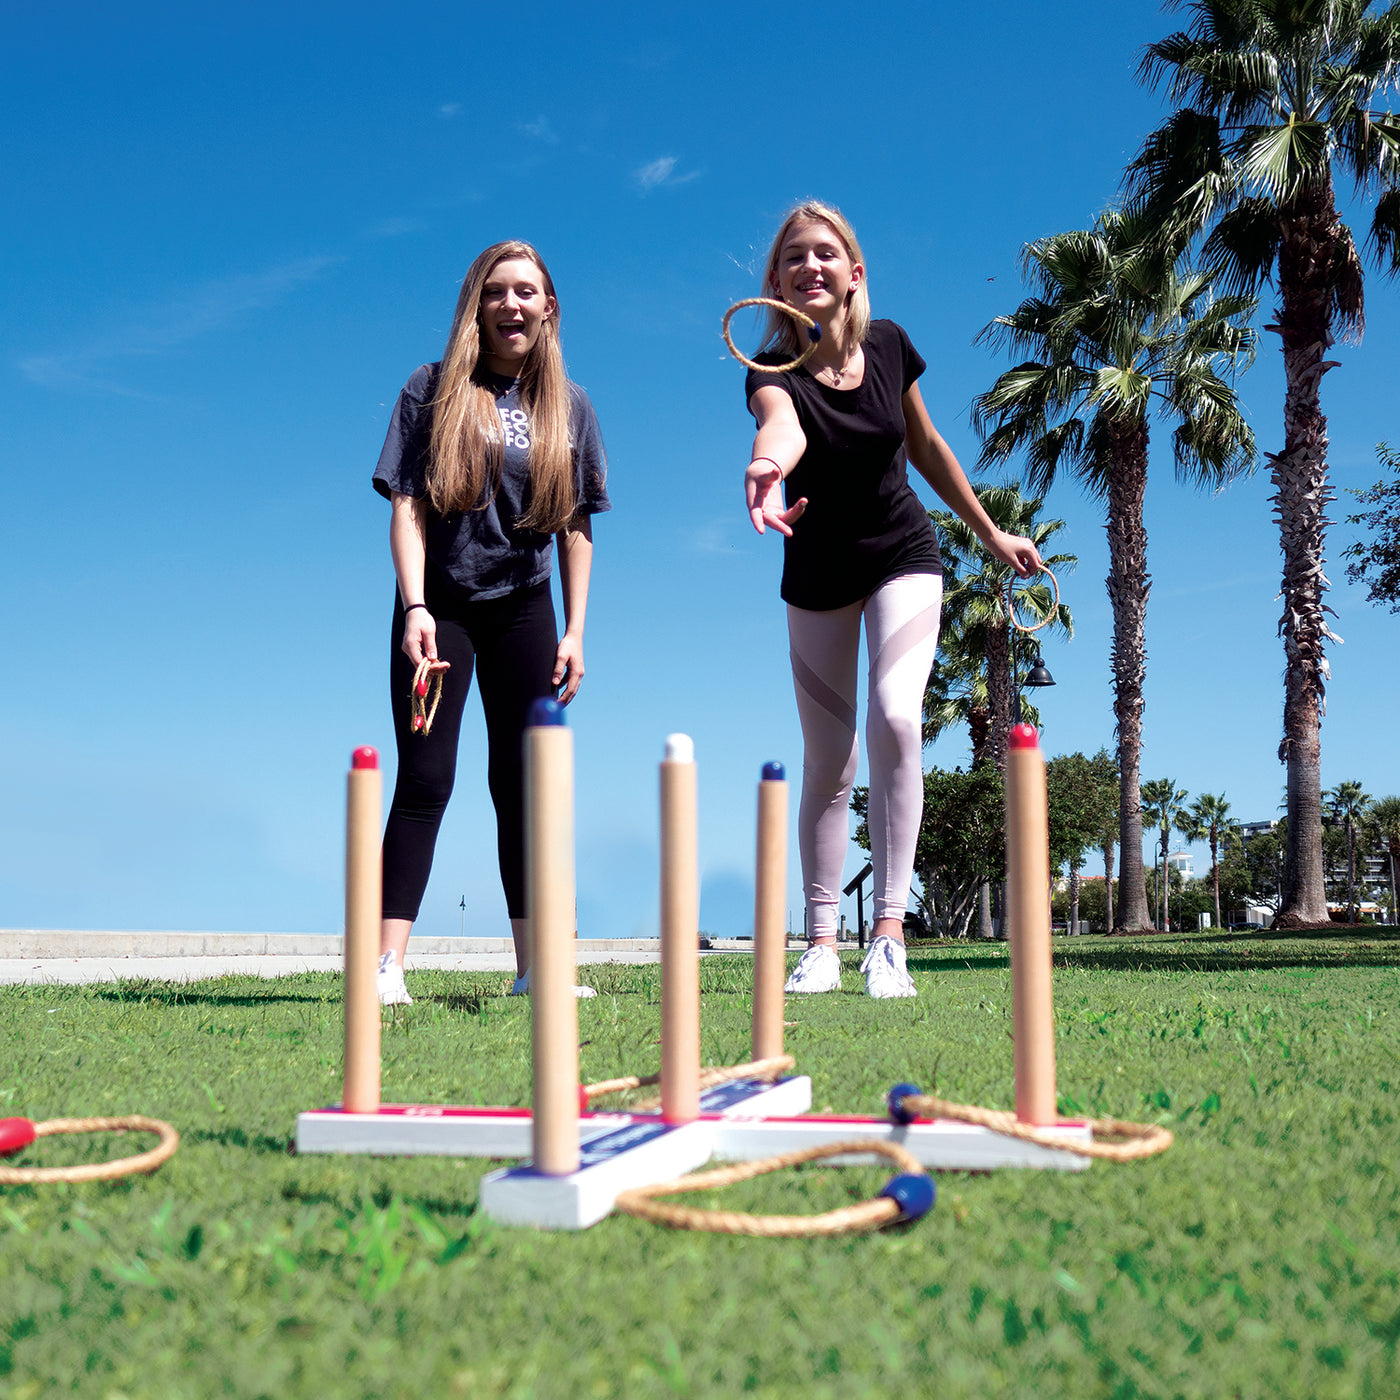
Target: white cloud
[(450, 109), (165, 326), (661, 171), (541, 130), (394, 228)]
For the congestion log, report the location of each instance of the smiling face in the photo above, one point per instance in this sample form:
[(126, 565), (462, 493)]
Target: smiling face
[(515, 304), (815, 271)]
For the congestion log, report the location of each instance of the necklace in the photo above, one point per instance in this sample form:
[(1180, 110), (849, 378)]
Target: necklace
[(838, 374)]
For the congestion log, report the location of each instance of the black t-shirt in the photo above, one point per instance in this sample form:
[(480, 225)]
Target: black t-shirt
[(863, 523), (483, 550)]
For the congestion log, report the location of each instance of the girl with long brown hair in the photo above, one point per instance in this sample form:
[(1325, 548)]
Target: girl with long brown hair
[(859, 553), (492, 456)]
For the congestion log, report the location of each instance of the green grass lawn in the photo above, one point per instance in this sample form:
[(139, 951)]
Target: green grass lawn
[(1258, 1257)]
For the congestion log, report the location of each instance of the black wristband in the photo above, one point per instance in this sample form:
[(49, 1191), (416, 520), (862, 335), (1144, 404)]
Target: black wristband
[(411, 607)]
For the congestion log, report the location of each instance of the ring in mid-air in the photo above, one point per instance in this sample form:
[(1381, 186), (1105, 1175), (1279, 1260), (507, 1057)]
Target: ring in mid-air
[(1011, 604), (814, 333)]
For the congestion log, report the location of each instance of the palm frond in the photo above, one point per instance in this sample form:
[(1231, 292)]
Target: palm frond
[(1243, 245), (1347, 285), (1181, 177), (1385, 231), (1123, 392), (1283, 158)]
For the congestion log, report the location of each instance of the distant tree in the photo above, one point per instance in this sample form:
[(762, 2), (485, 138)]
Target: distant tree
[(1249, 872), (1075, 788), (1106, 768), (1377, 563), (1275, 98), (1208, 820), (1347, 804), (1163, 804), (1384, 820), (961, 840)]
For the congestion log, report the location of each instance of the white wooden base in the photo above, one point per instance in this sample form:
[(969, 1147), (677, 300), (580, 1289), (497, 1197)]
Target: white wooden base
[(644, 1151), (742, 1121), (942, 1144), (410, 1130)]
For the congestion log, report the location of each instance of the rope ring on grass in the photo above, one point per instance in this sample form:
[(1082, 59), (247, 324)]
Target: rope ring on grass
[(814, 334), (17, 1133), (1113, 1139), (768, 1069), (1011, 604), (905, 1197), (423, 716)]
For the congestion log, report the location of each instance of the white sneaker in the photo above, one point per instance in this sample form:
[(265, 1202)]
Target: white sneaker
[(521, 988), (817, 970), (392, 991), (885, 972)]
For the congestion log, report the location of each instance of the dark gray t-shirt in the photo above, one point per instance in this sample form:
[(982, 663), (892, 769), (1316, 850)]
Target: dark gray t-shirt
[(484, 551)]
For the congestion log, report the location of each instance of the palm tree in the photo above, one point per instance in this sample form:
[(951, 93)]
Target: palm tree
[(974, 607), (1383, 818), (972, 682), (1272, 95), (1115, 335), (1208, 819), (1348, 803), (1162, 804)]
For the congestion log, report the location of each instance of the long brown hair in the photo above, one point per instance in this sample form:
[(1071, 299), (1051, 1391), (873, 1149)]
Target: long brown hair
[(467, 450), (780, 330)]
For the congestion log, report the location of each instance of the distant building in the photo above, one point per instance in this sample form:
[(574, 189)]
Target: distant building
[(1180, 861)]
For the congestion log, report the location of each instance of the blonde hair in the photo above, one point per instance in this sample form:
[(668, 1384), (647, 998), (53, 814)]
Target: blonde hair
[(780, 330), (467, 449)]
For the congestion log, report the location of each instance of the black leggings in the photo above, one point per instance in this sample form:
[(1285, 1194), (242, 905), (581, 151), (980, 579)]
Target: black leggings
[(512, 641)]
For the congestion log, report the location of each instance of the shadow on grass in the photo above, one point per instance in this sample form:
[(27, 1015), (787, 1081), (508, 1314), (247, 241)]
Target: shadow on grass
[(188, 994), (236, 1137), (380, 1198), (1211, 951)]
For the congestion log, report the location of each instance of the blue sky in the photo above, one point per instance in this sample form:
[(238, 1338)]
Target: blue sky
[(234, 235)]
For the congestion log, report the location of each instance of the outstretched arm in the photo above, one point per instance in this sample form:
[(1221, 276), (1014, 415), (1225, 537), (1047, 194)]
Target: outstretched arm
[(935, 462), (575, 566), (777, 448)]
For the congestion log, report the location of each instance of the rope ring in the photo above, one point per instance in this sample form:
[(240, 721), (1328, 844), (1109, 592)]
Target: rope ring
[(814, 334), (1113, 1140), (423, 716), (882, 1210), (768, 1069), (1011, 604), (24, 1132)]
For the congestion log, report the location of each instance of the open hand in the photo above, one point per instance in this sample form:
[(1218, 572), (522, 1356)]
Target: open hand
[(763, 490)]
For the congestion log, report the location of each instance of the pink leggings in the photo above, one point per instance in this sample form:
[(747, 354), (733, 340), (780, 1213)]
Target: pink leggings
[(901, 637)]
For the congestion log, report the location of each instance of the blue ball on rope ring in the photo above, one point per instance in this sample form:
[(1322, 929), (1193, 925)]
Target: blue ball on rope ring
[(894, 1101), (914, 1195)]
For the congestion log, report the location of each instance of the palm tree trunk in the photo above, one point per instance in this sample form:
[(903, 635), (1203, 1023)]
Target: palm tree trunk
[(999, 693), (1309, 229), (1074, 900), (984, 911), (1128, 586), (1353, 913), (1215, 875), (1166, 883), (1108, 883)]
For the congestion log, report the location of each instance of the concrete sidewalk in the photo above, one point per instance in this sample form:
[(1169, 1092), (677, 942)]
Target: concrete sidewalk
[(66, 956)]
